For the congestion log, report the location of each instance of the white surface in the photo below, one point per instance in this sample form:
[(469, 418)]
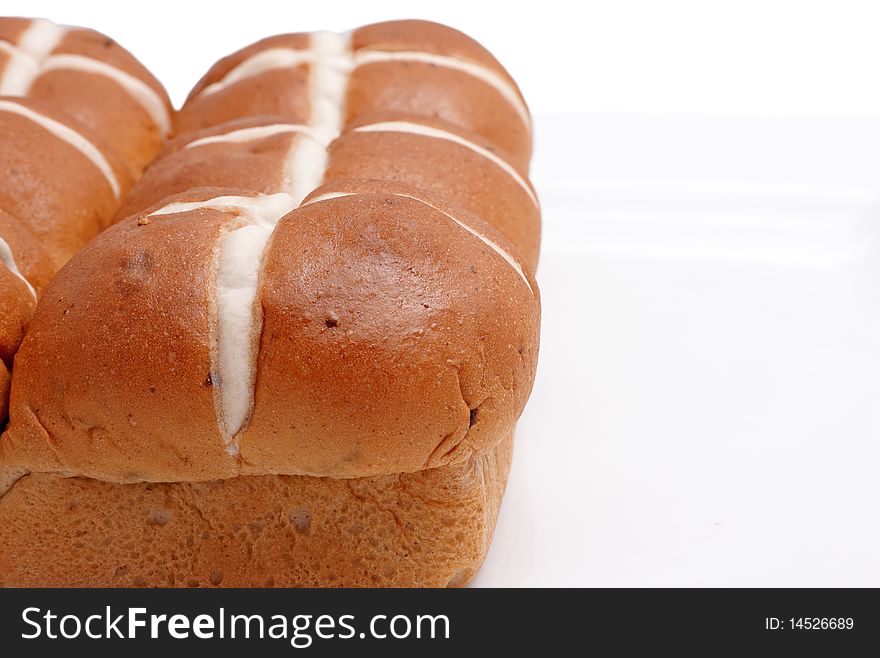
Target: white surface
[(724, 56), (706, 410)]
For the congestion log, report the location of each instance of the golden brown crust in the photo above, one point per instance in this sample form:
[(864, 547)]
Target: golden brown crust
[(445, 169), (16, 309), (424, 36), (425, 529), (128, 398), (92, 99), (95, 45), (73, 141), (17, 301), (12, 27), (5, 380), (31, 257), (437, 92), (275, 92), (419, 89), (253, 165), (119, 119), (100, 104), (412, 88), (393, 331), (398, 330), (299, 41), (62, 197), (443, 339)]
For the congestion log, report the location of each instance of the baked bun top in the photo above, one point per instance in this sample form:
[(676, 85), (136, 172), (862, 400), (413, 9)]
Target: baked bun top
[(80, 118), (329, 271)]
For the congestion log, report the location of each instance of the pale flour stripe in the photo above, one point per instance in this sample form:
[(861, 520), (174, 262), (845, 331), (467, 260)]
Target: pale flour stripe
[(510, 260), (328, 196), (35, 44), (328, 84), (303, 165), (436, 133), (266, 60), (486, 75), (70, 136), (256, 208), (239, 318), (41, 38), (306, 161), (238, 322), (285, 58), (490, 243), (8, 259), (142, 93), (20, 70), (32, 57), (244, 135)]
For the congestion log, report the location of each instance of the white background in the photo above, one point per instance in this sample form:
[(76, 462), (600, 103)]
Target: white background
[(740, 56), (706, 410)]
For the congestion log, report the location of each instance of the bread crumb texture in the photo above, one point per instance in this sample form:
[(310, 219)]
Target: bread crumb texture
[(431, 528)]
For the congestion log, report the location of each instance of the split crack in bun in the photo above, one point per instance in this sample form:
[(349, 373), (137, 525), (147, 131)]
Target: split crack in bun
[(387, 314)]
